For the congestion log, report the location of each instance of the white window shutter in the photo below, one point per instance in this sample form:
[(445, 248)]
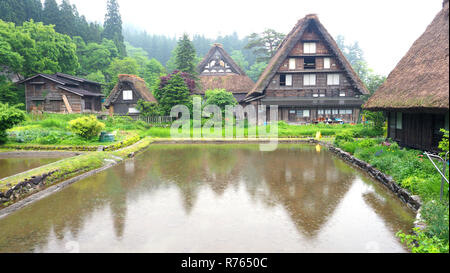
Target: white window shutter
[(288, 80), (291, 63), (327, 63)]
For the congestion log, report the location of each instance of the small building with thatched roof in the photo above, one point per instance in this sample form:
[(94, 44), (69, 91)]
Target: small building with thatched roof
[(415, 96), (125, 95), (309, 78), (218, 71)]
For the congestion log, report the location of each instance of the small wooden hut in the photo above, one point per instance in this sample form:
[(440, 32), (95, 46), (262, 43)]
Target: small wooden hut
[(219, 71), (62, 93), (415, 96), (125, 95)]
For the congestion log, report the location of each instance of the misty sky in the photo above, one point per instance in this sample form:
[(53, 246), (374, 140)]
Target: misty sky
[(385, 29)]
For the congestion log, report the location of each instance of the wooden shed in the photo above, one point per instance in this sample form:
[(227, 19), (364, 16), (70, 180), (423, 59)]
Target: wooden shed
[(415, 96), (62, 93), (219, 71), (125, 95)]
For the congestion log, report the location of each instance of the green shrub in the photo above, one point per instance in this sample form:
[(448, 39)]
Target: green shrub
[(436, 215), (345, 136), (443, 145), (86, 127), (349, 147), (9, 117), (421, 243)]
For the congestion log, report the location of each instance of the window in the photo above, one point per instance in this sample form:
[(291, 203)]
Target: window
[(349, 112), (127, 95), (342, 94), (322, 95), (282, 80), (309, 79), (342, 112), (303, 113), (315, 95), (333, 79), (320, 112), (399, 121), (328, 112), (291, 63), (310, 63), (335, 111), (326, 63), (133, 110), (288, 80), (309, 48)]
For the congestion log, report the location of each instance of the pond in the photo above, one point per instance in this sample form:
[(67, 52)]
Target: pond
[(215, 198), (12, 165)]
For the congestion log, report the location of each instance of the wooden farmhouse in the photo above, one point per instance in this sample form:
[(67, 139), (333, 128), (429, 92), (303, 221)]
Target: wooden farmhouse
[(62, 93), (219, 71), (309, 78), (125, 95), (415, 96)]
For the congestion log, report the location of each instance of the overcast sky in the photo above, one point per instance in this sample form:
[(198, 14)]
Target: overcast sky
[(385, 29)]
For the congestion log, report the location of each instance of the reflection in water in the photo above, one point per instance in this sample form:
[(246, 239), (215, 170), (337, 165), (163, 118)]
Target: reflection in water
[(15, 165), (215, 198)]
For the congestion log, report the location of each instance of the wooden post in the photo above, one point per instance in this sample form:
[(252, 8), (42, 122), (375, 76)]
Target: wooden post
[(66, 102)]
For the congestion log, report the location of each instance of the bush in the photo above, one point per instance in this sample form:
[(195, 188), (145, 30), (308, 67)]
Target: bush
[(9, 117), (86, 127), (344, 136)]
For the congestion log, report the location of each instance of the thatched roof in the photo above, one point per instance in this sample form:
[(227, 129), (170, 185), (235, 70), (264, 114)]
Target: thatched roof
[(138, 85), (289, 43), (232, 83), (235, 81), (420, 80)]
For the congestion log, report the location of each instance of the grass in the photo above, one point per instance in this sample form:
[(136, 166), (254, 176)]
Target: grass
[(414, 172), (73, 166)]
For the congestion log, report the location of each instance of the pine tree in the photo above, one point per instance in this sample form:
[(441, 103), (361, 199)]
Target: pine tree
[(185, 55), (12, 11), (67, 23), (51, 13), (113, 26)]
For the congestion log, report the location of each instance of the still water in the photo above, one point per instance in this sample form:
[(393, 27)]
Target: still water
[(215, 198), (15, 165)]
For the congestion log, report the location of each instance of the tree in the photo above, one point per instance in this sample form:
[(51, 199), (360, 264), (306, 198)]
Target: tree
[(11, 93), (9, 117), (239, 58), (113, 26), (118, 66), (173, 91), (220, 97), (50, 14), (256, 70), (148, 109), (265, 44), (185, 56)]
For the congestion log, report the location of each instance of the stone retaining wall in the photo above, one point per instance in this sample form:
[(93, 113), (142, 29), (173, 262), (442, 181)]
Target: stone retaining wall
[(412, 201)]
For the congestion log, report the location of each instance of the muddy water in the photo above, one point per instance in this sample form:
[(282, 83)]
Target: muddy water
[(215, 198), (15, 165)]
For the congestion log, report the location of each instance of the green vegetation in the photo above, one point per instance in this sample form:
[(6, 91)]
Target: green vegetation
[(415, 173), (86, 127), (9, 116), (220, 97), (38, 131)]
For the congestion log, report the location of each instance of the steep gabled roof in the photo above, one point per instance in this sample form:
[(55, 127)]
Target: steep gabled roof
[(138, 84), (236, 81), (420, 80), (289, 43), (210, 55)]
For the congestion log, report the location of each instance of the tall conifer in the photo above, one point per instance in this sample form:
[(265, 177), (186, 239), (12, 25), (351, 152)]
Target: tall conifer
[(113, 26)]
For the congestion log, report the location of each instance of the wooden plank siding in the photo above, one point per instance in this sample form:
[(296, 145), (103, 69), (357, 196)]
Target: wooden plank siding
[(417, 130)]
